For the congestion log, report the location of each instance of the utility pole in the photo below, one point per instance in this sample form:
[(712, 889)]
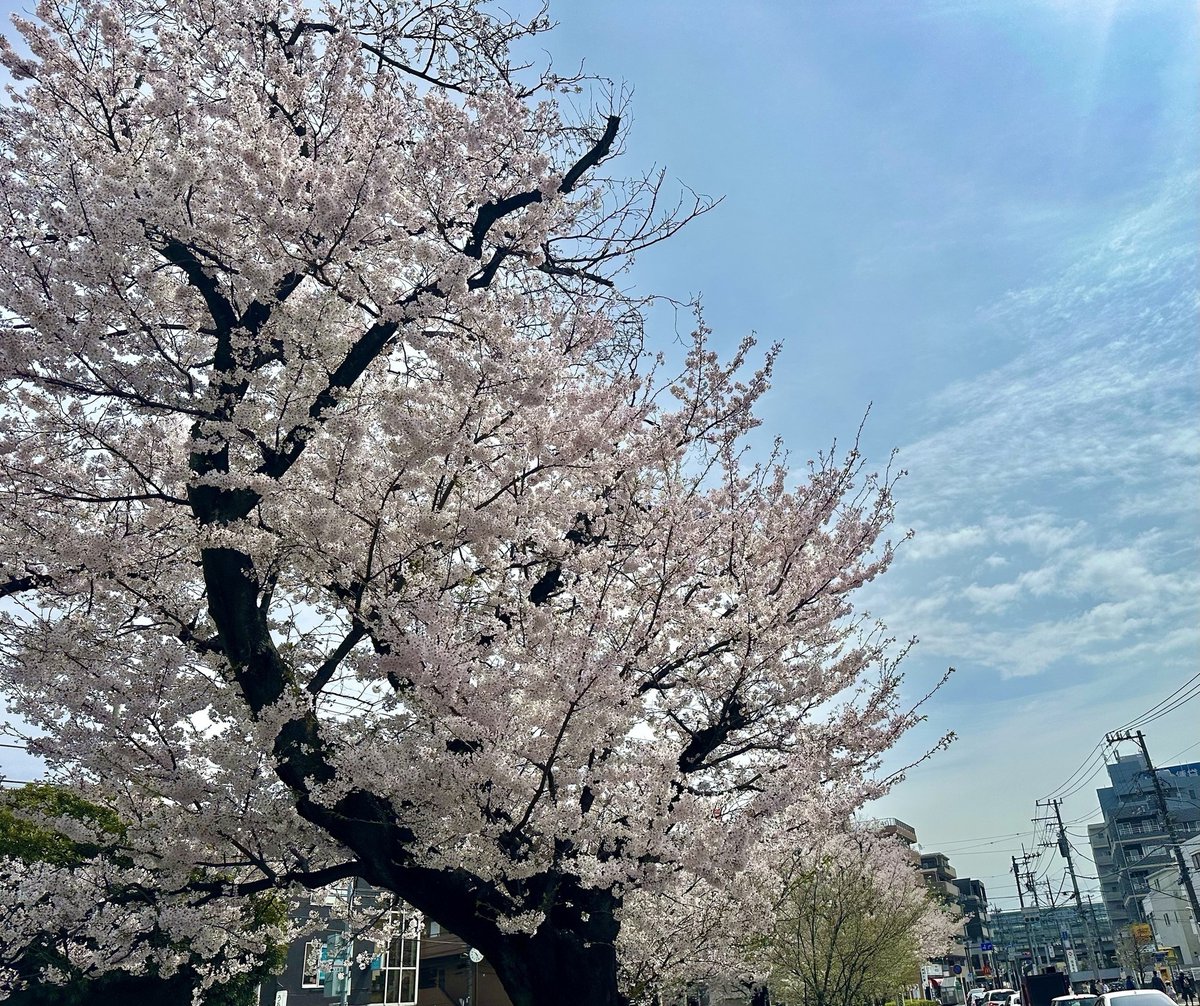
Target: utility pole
[(1054, 927), (348, 948), (1096, 931), (1185, 874), (1028, 929), (1064, 848), (1031, 886)]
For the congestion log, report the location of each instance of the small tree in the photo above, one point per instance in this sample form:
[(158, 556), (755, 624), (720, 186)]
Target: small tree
[(1134, 947), (854, 923), (348, 528)]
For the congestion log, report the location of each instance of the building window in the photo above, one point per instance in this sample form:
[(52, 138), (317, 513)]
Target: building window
[(310, 972), (394, 983)]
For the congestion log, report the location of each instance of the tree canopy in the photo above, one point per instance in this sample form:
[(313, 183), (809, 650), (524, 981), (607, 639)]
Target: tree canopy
[(349, 527), (51, 833), (854, 923)]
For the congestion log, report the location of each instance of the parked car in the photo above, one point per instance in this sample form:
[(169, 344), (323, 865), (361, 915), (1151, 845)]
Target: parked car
[(1135, 997), (1079, 999)]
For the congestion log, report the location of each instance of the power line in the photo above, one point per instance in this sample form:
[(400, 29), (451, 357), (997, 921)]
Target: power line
[(1184, 751), (984, 839), (1189, 690), (1098, 750), (1167, 705)]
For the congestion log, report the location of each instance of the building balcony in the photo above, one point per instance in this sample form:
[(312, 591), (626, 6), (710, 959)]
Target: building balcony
[(900, 829)]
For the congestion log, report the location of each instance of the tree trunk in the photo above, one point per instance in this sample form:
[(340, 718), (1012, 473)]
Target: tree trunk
[(571, 959), (555, 968)]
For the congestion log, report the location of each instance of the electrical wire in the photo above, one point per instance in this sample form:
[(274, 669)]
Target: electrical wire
[(1099, 765), (1184, 751), (1076, 781), (1167, 705), (1072, 785), (971, 842)]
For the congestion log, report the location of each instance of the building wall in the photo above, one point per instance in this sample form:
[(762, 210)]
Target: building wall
[(1130, 846), (1168, 910), (1047, 926)]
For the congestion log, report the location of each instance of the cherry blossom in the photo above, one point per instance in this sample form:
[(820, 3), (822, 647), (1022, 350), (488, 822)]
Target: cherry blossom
[(349, 526)]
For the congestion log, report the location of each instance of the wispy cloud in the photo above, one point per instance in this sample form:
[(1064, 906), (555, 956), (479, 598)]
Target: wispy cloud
[(1054, 496)]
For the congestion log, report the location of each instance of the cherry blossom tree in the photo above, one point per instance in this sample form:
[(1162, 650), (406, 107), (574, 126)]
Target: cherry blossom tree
[(67, 884), (349, 528)]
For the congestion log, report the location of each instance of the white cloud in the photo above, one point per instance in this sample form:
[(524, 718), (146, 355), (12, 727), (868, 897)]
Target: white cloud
[(1069, 470), (993, 599), (933, 544)]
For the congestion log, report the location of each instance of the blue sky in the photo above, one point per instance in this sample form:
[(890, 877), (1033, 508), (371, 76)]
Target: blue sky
[(980, 218)]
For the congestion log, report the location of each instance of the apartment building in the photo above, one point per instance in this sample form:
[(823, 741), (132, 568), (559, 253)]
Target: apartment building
[(1054, 929), (1131, 844), (1168, 910)]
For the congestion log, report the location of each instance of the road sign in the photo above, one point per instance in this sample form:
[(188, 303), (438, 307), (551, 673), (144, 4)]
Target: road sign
[(986, 945), (957, 969)]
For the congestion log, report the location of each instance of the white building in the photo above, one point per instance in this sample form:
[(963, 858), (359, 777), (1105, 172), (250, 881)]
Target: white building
[(1169, 912)]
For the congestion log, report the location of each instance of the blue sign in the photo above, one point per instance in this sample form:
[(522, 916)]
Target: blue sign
[(957, 969), (986, 945)]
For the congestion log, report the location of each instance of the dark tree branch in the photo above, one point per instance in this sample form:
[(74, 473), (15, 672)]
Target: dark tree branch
[(733, 716), (184, 258), (311, 879), (21, 584), (495, 210), (328, 668)]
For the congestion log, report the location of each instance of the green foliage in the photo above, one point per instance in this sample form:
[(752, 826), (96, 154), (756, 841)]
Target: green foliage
[(27, 835), (848, 929)]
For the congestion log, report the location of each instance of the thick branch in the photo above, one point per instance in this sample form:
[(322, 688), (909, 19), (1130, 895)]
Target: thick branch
[(311, 879), (21, 584), (704, 742), (329, 667), (495, 210), (223, 315)]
